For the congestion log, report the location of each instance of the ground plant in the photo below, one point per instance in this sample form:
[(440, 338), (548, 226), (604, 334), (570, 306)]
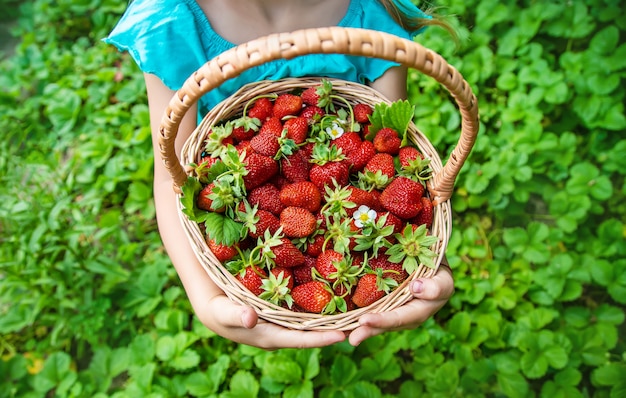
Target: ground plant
[(90, 305)]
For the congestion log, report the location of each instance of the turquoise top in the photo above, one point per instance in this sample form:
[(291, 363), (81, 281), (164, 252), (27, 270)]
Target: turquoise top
[(173, 38)]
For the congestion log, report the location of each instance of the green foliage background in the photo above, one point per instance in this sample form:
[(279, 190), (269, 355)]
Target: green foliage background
[(90, 306)]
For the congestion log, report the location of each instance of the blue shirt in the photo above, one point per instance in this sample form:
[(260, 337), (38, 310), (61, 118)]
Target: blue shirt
[(173, 38)]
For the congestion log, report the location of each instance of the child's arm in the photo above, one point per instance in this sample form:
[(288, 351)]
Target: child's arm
[(213, 308), (430, 294)]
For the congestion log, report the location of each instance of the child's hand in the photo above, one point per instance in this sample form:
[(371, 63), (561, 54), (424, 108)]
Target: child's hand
[(430, 294), (242, 325)]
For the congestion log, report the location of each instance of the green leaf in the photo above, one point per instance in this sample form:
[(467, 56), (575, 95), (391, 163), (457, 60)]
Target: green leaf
[(242, 385), (513, 385), (609, 374), (396, 116), (300, 390), (342, 371), (282, 369), (460, 325), (223, 229)]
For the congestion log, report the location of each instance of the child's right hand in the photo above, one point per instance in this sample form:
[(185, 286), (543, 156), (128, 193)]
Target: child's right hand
[(242, 325)]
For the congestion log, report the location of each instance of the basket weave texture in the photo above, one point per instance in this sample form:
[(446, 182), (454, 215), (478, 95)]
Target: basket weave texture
[(288, 45)]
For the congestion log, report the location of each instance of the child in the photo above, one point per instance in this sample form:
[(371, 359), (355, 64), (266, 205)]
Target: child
[(170, 39)]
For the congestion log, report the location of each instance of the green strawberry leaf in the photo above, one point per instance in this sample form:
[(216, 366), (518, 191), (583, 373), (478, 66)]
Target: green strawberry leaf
[(188, 199), (222, 229), (396, 116)]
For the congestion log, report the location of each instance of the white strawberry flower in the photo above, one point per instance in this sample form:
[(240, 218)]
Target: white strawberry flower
[(363, 216), (335, 131)]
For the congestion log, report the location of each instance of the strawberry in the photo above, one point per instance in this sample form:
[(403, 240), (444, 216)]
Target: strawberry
[(252, 278), (260, 169), (286, 105), (266, 197), (348, 142), (312, 114), (204, 202), (388, 141), (426, 215), (382, 261), (303, 273), (367, 291), (327, 263), (272, 126), (359, 157), (314, 247), (266, 222), (392, 220), (362, 113), (241, 133), (312, 296), (287, 274), (297, 129), (265, 144), (303, 194), (361, 197), (295, 167), (329, 174), (318, 95), (287, 254), (243, 146), (408, 153), (297, 222), (402, 197), (222, 252), (262, 109), (382, 162)]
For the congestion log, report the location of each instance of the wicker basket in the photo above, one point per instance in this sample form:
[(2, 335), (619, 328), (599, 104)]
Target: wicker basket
[(288, 45)]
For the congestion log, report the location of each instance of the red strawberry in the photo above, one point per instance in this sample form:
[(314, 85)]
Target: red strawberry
[(382, 162), (426, 215), (408, 153), (382, 261), (287, 254), (242, 134), (287, 274), (222, 252), (204, 202), (243, 146), (312, 113), (297, 222), (367, 291), (252, 278), (303, 194), (266, 197), (322, 175), (397, 223), (359, 157), (348, 142), (310, 96), (387, 140), (267, 221), (262, 109), (327, 263), (402, 197), (361, 197), (265, 144), (272, 126), (312, 296), (314, 248), (302, 273), (362, 113), (297, 129), (260, 169), (295, 167), (287, 104)]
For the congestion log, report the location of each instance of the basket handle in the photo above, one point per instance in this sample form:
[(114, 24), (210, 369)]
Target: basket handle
[(331, 40)]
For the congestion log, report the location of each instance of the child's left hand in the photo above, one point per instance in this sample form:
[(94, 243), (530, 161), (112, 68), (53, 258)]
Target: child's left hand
[(430, 294)]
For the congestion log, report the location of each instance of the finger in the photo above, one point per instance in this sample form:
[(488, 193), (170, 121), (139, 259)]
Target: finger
[(228, 314), (439, 287), (271, 336)]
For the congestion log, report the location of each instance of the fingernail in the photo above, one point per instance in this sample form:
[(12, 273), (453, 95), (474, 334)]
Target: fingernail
[(417, 286)]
